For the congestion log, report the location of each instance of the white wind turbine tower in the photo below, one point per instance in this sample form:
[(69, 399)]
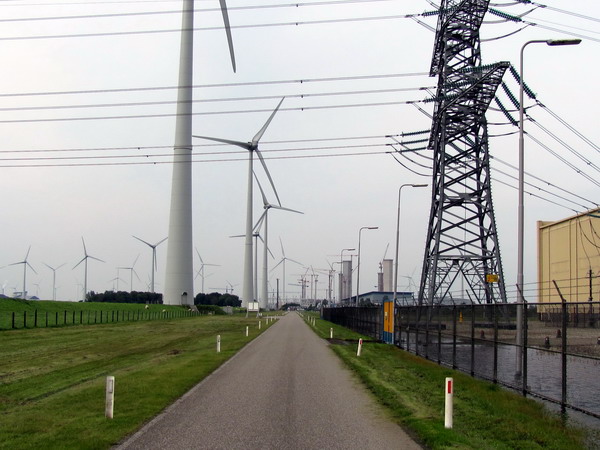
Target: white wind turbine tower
[(154, 263), (283, 260), (131, 272), (252, 147), (54, 269), (85, 261), (264, 218), (201, 270), (25, 264), (179, 277)]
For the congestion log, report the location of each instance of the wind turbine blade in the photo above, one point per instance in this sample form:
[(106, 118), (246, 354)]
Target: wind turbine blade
[(136, 258), (141, 240), (63, 264), (276, 265), (260, 220), (260, 133), (48, 266), (31, 267), (82, 260), (27, 254), (228, 31), (160, 242), (136, 275), (264, 197), (282, 251), (97, 259), (294, 261), (199, 255), (264, 164), (84, 249), (270, 252), (285, 209), (238, 235), (226, 141)]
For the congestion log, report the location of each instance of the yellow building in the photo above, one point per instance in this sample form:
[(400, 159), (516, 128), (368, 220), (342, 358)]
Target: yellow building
[(568, 250)]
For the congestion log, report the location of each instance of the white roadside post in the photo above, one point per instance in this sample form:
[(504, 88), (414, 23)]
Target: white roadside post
[(331, 333), (110, 397), (259, 324), (359, 347), (449, 406), (218, 343), (246, 331)]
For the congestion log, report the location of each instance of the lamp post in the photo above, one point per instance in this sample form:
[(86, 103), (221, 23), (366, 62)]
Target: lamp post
[(398, 238), (358, 260), (521, 213), (342, 281)]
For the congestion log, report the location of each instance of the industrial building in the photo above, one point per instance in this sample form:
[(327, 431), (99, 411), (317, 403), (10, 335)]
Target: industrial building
[(569, 255)]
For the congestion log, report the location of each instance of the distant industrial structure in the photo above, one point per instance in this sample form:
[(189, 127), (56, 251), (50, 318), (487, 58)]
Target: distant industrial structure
[(569, 254)]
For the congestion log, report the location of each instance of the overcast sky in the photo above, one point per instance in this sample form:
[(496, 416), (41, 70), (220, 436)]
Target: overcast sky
[(115, 180)]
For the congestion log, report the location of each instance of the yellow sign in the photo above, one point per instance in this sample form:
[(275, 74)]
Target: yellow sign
[(492, 278)]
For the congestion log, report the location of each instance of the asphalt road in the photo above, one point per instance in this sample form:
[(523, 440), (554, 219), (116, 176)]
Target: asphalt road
[(285, 390)]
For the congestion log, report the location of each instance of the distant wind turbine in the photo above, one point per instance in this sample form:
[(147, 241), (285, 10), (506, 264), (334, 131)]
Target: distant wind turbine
[(179, 277), (154, 263), (131, 272), (252, 147), (264, 218), (283, 260), (54, 269), (25, 264), (85, 261), (201, 270)]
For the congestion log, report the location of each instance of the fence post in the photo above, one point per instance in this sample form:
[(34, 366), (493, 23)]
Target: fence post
[(472, 338), (35, 319), (563, 351), (65, 318), (81, 317), (454, 336), (46, 319), (24, 319), (495, 318), (439, 359), (13, 320), (525, 333)]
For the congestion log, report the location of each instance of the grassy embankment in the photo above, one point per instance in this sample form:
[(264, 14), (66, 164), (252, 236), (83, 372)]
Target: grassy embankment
[(485, 415), (52, 380)]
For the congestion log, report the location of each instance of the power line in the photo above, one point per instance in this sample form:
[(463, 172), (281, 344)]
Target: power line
[(221, 85), (211, 100)]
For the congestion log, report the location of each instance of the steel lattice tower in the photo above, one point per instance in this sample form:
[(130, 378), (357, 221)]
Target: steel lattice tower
[(462, 241)]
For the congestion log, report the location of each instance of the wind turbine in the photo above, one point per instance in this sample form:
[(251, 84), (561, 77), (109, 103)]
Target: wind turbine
[(252, 147), (25, 264), (201, 270), (54, 269), (131, 272), (283, 260), (154, 263), (265, 222), (85, 261), (179, 276)]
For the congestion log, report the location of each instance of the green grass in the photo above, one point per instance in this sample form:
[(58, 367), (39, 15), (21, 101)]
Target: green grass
[(61, 313), (485, 415), (52, 380)]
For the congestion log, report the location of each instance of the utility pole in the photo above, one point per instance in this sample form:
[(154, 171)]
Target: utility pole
[(462, 241)]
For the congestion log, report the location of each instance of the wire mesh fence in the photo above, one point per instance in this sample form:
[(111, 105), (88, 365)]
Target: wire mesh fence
[(552, 352)]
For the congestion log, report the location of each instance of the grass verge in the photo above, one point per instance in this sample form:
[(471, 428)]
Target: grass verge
[(485, 415), (52, 379)]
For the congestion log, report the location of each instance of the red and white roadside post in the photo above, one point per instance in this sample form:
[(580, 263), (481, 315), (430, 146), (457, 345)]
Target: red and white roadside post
[(449, 406), (359, 349)]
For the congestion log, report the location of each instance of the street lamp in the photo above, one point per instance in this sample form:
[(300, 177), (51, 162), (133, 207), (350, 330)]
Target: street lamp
[(521, 213), (358, 260), (342, 272), (398, 238)]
